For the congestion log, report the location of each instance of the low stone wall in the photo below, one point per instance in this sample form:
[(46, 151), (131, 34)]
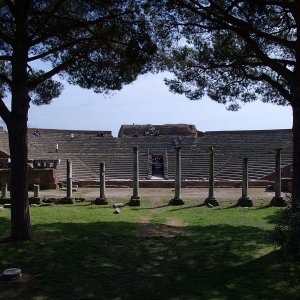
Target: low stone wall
[(285, 172), (46, 178), (171, 184)]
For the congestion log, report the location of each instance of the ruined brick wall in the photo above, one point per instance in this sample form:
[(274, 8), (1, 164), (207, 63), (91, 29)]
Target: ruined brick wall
[(167, 129), (46, 178)]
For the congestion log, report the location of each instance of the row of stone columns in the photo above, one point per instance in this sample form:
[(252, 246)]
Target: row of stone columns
[(135, 199), (210, 200), (245, 201)]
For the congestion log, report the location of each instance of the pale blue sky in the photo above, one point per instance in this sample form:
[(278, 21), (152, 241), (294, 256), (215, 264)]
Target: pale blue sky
[(148, 101)]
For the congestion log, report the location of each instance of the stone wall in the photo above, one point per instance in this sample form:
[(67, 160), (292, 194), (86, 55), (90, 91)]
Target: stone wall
[(286, 172), (46, 178), (170, 183)]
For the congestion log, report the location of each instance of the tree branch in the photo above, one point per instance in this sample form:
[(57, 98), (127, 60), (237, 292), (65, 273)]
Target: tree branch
[(277, 86), (5, 57), (35, 82), (6, 38), (249, 28), (5, 79), (75, 26), (54, 50), (11, 6)]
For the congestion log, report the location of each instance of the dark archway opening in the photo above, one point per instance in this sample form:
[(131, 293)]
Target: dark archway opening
[(158, 166)]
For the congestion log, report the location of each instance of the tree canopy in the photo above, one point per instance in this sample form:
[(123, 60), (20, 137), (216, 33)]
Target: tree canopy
[(99, 45), (96, 44), (232, 50)]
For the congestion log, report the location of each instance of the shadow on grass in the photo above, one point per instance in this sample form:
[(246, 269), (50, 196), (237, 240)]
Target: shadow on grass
[(264, 206), (149, 208), (105, 260), (276, 216), (184, 207)]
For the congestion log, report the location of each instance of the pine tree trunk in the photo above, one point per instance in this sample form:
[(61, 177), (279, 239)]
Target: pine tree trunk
[(296, 157), (20, 219), (17, 127)]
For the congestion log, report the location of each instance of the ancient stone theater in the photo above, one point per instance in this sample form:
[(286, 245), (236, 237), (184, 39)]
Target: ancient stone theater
[(49, 150)]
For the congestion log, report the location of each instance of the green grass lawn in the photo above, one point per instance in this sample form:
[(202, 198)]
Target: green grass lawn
[(154, 251)]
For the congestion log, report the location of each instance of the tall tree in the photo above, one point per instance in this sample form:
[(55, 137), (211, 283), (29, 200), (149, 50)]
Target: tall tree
[(96, 44), (236, 50)]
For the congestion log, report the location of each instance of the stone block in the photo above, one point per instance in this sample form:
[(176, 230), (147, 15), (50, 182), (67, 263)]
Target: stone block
[(100, 201), (34, 200), (176, 202)]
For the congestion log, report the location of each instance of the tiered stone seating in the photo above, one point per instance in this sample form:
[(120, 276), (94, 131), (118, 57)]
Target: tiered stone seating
[(86, 150), (258, 145), (4, 146)]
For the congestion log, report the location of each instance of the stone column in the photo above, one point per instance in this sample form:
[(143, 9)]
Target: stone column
[(4, 191), (166, 165), (36, 195), (135, 198), (36, 190), (211, 200), (244, 201), (69, 198), (177, 199), (102, 199), (69, 179), (277, 200)]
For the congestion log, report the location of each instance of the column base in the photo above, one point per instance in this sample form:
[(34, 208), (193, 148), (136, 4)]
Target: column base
[(5, 200), (211, 201), (135, 201), (66, 200), (278, 202), (34, 200), (100, 201), (176, 201), (244, 202)]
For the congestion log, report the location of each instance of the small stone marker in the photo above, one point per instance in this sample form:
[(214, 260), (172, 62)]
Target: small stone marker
[(11, 274), (7, 205), (118, 205), (117, 210)]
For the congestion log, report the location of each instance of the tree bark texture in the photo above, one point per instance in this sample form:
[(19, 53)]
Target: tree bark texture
[(296, 157), (17, 127), (20, 219)]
